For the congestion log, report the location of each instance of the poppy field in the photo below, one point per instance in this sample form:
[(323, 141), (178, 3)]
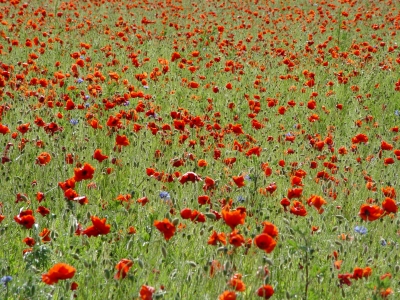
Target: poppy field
[(199, 150)]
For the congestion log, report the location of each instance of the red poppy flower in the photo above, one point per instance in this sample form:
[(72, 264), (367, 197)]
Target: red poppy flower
[(388, 161), (285, 202), (71, 194), (386, 146), (235, 217), (123, 267), (29, 241), (294, 193), (123, 198), (121, 140), (270, 229), (389, 205), (67, 184), (39, 196), (58, 272), (271, 187), (99, 156), (43, 159), (209, 184), (370, 212), (23, 128), (227, 295), (146, 292), (99, 227), (25, 218), (298, 209), (254, 151), (166, 228), (265, 242), (202, 163), (389, 192), (266, 291), (236, 239), (142, 201), (45, 234), (44, 211), (216, 237), (86, 172), (189, 176), (236, 283), (239, 181), (197, 216), (359, 138), (4, 129), (203, 199), (317, 202), (345, 279)]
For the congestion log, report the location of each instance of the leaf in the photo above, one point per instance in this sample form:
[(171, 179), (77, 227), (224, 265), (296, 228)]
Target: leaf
[(293, 244)]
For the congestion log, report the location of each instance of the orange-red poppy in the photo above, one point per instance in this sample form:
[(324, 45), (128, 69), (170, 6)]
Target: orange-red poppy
[(43, 159), (217, 237), (142, 200), (121, 140), (294, 193), (389, 191), (45, 235), (239, 181), (23, 128), (236, 239), (166, 228), (235, 217), (317, 202), (265, 242), (86, 172), (227, 295), (123, 267), (60, 271), (25, 218), (97, 155), (202, 163), (203, 199), (266, 291), (298, 209), (236, 283), (359, 138), (4, 129), (99, 227), (270, 229), (386, 146), (189, 176), (146, 292), (389, 205), (370, 212), (44, 211)]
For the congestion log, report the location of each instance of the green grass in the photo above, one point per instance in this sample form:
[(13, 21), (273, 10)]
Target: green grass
[(302, 264)]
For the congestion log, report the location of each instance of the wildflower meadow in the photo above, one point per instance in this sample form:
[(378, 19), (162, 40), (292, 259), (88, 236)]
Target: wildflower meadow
[(199, 149)]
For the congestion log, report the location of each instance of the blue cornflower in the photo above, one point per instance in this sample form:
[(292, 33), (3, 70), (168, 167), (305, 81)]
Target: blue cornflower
[(247, 177), (383, 242), (126, 103), (397, 112), (87, 97), (82, 57), (73, 122), (87, 105), (165, 196), (6, 279), (240, 199), (80, 80), (360, 229)]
